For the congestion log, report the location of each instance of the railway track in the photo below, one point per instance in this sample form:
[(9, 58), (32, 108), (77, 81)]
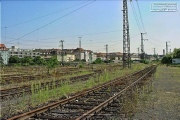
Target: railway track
[(17, 78), (7, 79), (90, 103), (15, 92)]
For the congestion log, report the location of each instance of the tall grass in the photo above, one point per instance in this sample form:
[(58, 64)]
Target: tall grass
[(65, 89)]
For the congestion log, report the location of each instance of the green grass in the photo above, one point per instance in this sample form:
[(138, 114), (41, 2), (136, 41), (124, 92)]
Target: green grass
[(45, 95), (36, 81)]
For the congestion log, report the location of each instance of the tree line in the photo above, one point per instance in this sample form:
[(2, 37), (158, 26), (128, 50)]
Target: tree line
[(168, 58)]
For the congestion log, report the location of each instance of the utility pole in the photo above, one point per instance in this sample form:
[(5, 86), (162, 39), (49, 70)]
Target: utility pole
[(5, 34), (126, 37), (142, 46), (90, 54), (167, 47), (79, 48), (155, 53), (164, 52), (106, 53), (62, 53), (138, 51), (170, 51)]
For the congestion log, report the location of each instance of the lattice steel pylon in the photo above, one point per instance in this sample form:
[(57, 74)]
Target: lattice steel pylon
[(126, 37)]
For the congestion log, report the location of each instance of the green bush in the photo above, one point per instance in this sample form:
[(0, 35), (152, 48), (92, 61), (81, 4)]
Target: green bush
[(80, 66), (97, 61), (144, 61), (166, 60)]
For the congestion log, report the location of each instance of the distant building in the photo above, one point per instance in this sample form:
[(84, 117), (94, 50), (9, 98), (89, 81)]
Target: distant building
[(4, 54), (116, 60), (21, 53), (48, 53), (176, 61), (66, 57), (86, 55), (102, 56), (69, 54), (160, 57), (115, 56), (135, 57), (79, 53), (92, 57)]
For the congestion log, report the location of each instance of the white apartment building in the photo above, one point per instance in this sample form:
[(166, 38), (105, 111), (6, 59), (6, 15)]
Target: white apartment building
[(21, 53), (67, 58), (4, 54)]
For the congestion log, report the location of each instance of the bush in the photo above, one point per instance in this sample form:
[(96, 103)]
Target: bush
[(166, 60), (144, 61), (97, 61), (80, 66)]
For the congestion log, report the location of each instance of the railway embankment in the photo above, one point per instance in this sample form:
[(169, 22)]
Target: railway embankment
[(162, 100)]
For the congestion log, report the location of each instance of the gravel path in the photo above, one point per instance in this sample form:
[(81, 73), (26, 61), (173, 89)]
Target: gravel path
[(163, 102)]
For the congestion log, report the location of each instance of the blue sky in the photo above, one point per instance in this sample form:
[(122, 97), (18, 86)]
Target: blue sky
[(98, 23)]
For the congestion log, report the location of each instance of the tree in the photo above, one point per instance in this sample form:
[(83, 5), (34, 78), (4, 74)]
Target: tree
[(97, 61), (176, 53), (83, 60), (166, 60), (51, 63), (27, 60), (39, 61), (14, 59)]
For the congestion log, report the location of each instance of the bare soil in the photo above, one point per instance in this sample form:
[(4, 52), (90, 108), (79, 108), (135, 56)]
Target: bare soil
[(163, 102)]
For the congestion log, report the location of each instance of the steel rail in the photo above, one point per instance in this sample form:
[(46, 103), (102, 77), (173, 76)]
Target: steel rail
[(96, 109), (62, 102), (27, 88)]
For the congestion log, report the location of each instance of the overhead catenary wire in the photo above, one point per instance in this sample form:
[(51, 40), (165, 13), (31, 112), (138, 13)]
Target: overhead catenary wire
[(67, 36), (33, 19), (54, 20), (135, 16), (68, 44), (140, 16)]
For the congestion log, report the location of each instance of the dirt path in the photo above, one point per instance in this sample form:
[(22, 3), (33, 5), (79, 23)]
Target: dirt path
[(163, 103)]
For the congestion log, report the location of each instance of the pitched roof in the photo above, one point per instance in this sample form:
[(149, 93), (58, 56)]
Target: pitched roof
[(101, 54), (78, 49), (2, 46)]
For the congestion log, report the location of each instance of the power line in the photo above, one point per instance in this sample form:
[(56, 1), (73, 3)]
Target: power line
[(117, 41), (135, 15), (140, 16), (69, 36), (55, 20), (42, 16)]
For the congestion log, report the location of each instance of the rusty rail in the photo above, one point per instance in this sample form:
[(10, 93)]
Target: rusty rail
[(18, 91), (105, 103), (83, 93)]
